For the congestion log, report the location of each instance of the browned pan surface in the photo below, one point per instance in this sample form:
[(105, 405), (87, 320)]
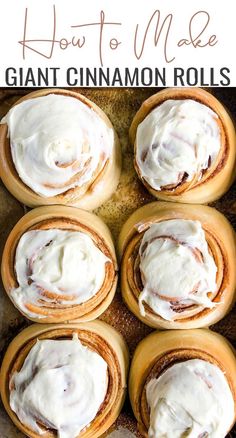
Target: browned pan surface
[(120, 105)]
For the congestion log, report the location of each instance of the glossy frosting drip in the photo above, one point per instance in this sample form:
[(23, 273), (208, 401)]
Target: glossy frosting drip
[(59, 266), (61, 385), (176, 268), (191, 399), (177, 141), (57, 143)]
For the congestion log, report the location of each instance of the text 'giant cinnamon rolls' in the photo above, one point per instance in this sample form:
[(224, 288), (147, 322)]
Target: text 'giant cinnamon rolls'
[(178, 265), (59, 264), (65, 381), (58, 147), (185, 146)]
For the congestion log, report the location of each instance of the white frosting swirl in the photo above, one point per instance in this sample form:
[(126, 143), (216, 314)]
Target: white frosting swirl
[(178, 139), (191, 399), (57, 143), (68, 264), (176, 267), (61, 385)]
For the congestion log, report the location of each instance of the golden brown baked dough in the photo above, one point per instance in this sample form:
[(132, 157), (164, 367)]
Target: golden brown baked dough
[(91, 194), (220, 238), (72, 219), (213, 182), (97, 336), (160, 350)]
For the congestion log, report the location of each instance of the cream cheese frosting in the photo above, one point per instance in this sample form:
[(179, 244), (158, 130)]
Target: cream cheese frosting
[(66, 263), (61, 385), (57, 143), (191, 399), (177, 140), (176, 267)]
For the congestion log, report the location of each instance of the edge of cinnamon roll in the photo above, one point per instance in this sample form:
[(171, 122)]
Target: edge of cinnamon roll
[(220, 244), (159, 351), (216, 177), (91, 194), (59, 303), (98, 337)]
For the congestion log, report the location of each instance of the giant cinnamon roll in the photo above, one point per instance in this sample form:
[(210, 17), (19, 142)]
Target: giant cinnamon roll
[(59, 264), (182, 384), (185, 146), (178, 265), (65, 381), (57, 147)]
